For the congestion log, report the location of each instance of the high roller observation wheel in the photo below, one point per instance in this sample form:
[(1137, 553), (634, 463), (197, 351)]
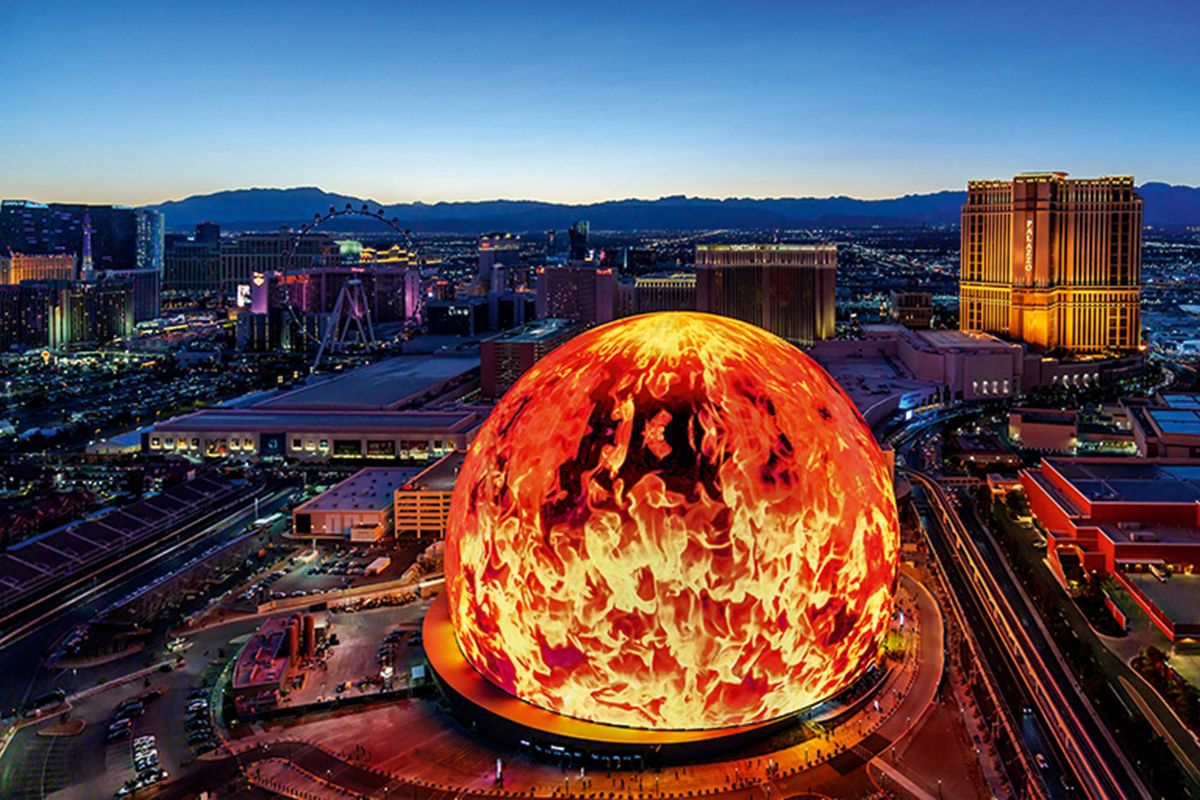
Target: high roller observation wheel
[(290, 268)]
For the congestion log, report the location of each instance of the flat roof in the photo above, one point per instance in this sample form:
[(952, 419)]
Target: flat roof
[(1132, 481), (1180, 400), (962, 340), (369, 489), (387, 384), (1178, 596), (771, 247), (440, 476), (538, 331), (219, 420), (1176, 420)]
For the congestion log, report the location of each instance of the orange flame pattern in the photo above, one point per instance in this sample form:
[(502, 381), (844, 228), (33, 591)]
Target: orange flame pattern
[(673, 521)]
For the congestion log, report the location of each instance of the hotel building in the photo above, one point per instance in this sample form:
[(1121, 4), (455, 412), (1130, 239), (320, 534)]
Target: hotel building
[(788, 289), (1053, 262)]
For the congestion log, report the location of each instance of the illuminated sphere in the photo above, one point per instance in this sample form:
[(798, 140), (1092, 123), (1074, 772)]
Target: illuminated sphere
[(673, 521)]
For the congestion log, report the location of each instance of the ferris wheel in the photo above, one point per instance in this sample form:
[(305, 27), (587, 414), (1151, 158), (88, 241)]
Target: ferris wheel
[(350, 319)]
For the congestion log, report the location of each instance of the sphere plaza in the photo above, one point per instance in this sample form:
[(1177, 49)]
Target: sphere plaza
[(675, 541)]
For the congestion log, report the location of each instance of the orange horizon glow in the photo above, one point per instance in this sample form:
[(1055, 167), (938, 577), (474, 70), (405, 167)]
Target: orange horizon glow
[(673, 521)]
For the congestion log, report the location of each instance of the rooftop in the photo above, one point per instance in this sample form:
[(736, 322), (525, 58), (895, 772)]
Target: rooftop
[(441, 476), (538, 331), (369, 489), (1181, 400), (238, 420), (771, 247), (962, 340), (1177, 420), (263, 661), (1131, 481), (1178, 596), (387, 384)]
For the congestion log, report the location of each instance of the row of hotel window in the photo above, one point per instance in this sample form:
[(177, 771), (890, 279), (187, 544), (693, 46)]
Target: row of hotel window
[(375, 448)]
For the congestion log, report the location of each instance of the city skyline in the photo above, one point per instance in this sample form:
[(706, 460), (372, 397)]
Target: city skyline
[(536, 102)]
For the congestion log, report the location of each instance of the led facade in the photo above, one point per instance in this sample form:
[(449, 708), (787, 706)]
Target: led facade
[(674, 521)]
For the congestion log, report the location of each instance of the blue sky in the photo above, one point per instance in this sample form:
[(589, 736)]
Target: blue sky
[(142, 102)]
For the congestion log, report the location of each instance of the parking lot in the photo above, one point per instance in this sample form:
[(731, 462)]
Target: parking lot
[(354, 664), (330, 569)]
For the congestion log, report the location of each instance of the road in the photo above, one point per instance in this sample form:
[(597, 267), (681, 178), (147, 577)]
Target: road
[(28, 638), (979, 572)]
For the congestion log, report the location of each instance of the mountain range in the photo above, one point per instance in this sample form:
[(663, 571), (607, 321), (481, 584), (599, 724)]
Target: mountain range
[(268, 209)]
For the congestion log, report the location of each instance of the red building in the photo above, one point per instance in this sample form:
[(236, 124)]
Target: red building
[(1135, 520)]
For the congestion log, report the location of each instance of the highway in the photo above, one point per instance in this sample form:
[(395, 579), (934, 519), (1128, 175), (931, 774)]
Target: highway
[(1004, 616), (1001, 666)]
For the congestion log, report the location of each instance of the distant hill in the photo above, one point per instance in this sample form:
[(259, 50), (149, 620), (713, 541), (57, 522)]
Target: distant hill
[(268, 209)]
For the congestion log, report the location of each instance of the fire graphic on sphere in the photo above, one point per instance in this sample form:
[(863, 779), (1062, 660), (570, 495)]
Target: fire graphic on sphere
[(673, 521)]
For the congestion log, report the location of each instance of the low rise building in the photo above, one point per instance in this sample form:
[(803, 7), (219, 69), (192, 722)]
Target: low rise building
[(1044, 429), (1137, 521), (1167, 426), (359, 509), (423, 503)]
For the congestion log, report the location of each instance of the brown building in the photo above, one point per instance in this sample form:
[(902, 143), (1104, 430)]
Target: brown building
[(912, 309), (1053, 262), (17, 267), (788, 289), (581, 291), (506, 357), (664, 291)]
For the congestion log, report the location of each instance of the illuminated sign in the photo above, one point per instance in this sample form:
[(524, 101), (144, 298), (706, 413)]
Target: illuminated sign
[(1029, 244), (673, 521), (258, 278), (243, 295)]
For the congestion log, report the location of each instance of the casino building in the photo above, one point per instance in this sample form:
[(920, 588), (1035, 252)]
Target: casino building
[(1053, 262)]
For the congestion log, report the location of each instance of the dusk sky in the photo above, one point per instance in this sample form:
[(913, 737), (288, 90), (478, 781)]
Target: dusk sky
[(142, 102)]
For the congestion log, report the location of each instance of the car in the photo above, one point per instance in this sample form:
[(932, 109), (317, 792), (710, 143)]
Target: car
[(1041, 761), (117, 735), (206, 746), (117, 724)]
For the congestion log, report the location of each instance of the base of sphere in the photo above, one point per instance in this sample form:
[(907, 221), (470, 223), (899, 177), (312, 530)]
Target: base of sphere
[(490, 711)]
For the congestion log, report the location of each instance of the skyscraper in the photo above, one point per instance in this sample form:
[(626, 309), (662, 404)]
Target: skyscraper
[(38, 229), (208, 232), (580, 291), (1053, 262), (499, 258), (191, 266), (577, 236), (788, 289), (150, 233)]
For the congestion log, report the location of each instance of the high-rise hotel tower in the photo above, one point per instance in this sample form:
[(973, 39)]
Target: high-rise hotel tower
[(1053, 262), (786, 288)]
